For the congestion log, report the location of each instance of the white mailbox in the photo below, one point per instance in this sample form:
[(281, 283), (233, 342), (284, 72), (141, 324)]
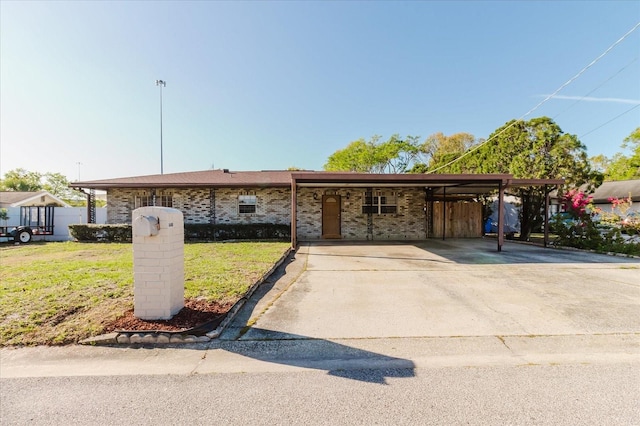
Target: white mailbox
[(146, 226), (158, 262)]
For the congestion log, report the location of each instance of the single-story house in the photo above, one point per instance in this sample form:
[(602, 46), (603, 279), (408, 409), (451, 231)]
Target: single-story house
[(30, 199), (617, 189), (319, 205)]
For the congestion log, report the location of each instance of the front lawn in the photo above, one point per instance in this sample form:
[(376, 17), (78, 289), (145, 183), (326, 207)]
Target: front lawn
[(58, 293)]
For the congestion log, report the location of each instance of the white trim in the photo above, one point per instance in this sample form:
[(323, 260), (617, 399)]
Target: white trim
[(38, 195)]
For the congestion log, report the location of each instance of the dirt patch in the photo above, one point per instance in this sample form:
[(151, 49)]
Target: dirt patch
[(196, 313)]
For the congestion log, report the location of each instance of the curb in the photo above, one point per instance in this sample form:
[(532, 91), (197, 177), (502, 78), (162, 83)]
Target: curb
[(180, 337)]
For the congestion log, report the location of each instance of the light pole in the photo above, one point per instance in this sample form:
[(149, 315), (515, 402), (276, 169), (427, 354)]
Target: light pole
[(162, 84)]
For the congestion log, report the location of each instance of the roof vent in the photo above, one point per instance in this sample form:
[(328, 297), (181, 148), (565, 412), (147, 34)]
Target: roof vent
[(225, 170)]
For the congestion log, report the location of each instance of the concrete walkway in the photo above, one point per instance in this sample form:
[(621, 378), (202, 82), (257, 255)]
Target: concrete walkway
[(345, 306)]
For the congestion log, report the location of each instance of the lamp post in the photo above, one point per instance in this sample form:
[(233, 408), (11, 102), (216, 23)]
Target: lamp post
[(162, 84)]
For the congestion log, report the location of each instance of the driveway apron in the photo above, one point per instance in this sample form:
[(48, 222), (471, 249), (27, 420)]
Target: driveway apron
[(358, 290)]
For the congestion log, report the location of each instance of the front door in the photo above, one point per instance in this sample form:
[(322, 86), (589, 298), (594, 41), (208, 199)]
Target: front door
[(331, 216)]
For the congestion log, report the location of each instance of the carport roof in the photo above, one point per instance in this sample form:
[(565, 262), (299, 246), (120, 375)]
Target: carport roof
[(451, 183)]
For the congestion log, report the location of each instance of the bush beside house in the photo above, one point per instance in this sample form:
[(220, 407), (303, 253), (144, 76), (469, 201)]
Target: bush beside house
[(192, 232)]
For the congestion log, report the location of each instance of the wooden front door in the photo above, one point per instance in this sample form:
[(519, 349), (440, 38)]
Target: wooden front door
[(331, 216)]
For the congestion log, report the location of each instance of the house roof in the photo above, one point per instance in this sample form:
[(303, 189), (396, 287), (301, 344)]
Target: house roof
[(617, 189), (206, 178), (454, 183), (29, 198)]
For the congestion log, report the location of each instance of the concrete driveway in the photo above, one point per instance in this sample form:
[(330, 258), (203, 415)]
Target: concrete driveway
[(452, 288)]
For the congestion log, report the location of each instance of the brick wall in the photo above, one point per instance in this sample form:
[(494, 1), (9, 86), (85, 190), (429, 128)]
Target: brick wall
[(408, 223), (120, 204), (273, 205)]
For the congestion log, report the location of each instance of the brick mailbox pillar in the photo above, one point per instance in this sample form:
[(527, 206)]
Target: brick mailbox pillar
[(158, 262)]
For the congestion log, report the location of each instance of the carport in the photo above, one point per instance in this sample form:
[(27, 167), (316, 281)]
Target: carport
[(436, 188)]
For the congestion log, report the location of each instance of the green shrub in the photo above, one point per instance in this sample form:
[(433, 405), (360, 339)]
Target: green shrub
[(256, 231), (585, 234), (631, 228), (120, 233)]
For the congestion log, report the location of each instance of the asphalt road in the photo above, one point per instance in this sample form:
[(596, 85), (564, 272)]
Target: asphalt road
[(526, 394)]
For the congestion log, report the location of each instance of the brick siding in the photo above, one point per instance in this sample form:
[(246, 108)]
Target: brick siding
[(273, 205), (408, 223)]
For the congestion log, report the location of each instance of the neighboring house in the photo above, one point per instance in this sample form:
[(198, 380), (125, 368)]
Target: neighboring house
[(321, 205), (47, 215), (30, 199), (617, 189)]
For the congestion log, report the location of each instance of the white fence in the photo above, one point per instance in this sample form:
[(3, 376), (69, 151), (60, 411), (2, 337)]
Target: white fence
[(63, 217)]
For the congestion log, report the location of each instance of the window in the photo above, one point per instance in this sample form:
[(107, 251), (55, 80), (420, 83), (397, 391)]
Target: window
[(379, 202), (164, 200), (246, 204)]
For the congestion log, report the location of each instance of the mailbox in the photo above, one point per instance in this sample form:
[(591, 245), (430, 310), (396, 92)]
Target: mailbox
[(146, 226), (158, 262)]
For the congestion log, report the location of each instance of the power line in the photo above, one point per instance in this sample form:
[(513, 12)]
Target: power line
[(614, 118), (571, 80), (597, 87)]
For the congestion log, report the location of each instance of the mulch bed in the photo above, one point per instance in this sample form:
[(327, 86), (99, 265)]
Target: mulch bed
[(196, 313)]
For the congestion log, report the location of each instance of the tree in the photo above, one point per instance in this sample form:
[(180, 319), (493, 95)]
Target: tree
[(21, 180), (600, 163), (533, 149), (4, 215), (439, 149), (622, 167), (26, 181), (58, 185), (392, 156)]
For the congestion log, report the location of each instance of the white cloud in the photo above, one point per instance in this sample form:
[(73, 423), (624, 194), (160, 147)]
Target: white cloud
[(592, 99)]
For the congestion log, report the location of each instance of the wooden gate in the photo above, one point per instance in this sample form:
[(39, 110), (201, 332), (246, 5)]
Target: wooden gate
[(459, 219)]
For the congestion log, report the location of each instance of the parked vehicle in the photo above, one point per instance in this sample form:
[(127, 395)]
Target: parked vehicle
[(20, 234), (565, 219)]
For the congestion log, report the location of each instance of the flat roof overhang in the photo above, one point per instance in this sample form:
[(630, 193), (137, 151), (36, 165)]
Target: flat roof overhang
[(452, 184)]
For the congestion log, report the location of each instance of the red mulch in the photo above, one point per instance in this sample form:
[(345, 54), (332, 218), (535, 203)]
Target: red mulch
[(195, 312)]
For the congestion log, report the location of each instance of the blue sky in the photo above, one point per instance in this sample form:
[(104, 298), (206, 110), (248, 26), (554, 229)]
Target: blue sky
[(269, 85)]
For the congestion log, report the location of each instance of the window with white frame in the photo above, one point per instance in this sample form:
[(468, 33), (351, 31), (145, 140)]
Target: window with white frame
[(246, 203), (162, 199), (379, 202)]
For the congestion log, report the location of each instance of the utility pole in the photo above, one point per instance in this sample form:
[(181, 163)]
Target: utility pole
[(162, 84)]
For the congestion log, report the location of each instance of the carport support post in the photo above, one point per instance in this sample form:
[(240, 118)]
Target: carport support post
[(546, 215), (444, 212), (294, 212), (500, 216)]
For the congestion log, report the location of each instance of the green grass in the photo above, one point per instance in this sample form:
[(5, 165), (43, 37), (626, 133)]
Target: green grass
[(58, 293)]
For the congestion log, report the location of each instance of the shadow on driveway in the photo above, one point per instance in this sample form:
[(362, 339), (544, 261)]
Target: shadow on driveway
[(305, 352), (472, 251)]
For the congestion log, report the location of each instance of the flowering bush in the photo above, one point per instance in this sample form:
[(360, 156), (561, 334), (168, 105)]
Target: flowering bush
[(622, 204), (583, 232), (576, 202)]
